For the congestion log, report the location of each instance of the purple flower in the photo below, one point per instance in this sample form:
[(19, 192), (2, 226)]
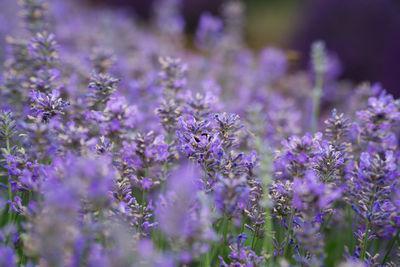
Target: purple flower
[(272, 64), (182, 214), (173, 74), (371, 185), (101, 86), (7, 124), (16, 205), (7, 257), (146, 183), (378, 119), (43, 49), (46, 106), (312, 195), (242, 255), (231, 195), (208, 31)]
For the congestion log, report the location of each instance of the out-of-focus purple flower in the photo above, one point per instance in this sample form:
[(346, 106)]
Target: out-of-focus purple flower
[(102, 59), (199, 105), (101, 86), (42, 47), (72, 137), (396, 203), (231, 195), (233, 15), (182, 216), (146, 183), (92, 185), (173, 74), (208, 31), (168, 18), (43, 80), (7, 257), (34, 15), (272, 64), (150, 256)]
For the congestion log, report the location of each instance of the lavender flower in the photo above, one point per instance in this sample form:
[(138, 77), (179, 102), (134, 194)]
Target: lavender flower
[(34, 14), (104, 181), (338, 130), (209, 31), (139, 216), (168, 19), (47, 106), (231, 195), (272, 65), (378, 118), (183, 217), (116, 119), (102, 59), (242, 255), (7, 125), (101, 86), (7, 256), (228, 126), (172, 76), (42, 47), (297, 155), (311, 197), (371, 185)]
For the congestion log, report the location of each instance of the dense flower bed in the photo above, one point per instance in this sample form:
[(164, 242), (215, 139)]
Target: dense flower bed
[(122, 147)]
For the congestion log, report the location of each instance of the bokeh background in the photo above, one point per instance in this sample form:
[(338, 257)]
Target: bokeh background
[(364, 34)]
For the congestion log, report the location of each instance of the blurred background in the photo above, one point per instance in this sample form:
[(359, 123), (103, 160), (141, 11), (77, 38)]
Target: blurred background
[(364, 34)]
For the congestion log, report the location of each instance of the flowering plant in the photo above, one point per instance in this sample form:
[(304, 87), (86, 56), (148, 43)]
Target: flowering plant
[(121, 147)]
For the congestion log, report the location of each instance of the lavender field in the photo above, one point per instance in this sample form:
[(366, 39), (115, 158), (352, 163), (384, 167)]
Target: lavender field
[(125, 143)]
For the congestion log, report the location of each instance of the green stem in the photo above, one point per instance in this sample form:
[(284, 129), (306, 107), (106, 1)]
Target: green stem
[(207, 260), (254, 238), (225, 229), (316, 96), (390, 247), (268, 241), (364, 242), (350, 227), (289, 232)]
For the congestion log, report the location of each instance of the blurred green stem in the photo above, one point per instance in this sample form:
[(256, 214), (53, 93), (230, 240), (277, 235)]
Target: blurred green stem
[(316, 97), (390, 247), (268, 241)]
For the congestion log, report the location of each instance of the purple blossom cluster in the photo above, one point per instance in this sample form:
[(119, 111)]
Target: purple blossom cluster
[(120, 146)]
